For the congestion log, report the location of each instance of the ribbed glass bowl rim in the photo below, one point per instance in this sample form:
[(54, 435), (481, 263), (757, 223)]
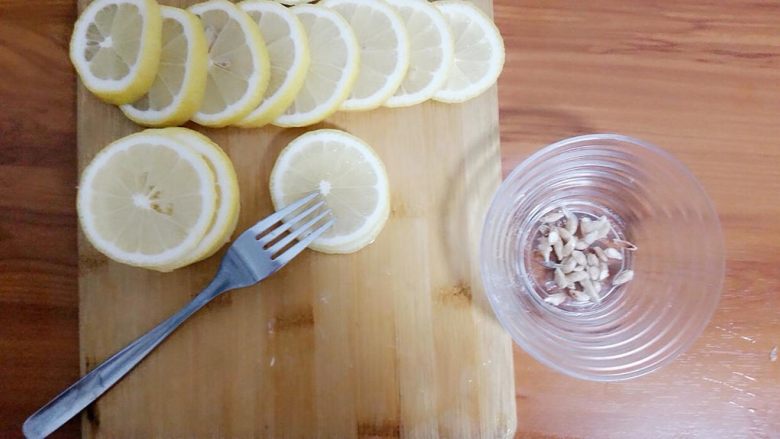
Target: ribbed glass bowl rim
[(531, 161)]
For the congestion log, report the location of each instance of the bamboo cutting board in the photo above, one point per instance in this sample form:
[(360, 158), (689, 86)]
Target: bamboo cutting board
[(397, 340)]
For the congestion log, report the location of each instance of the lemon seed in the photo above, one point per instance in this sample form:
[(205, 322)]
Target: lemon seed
[(623, 277), (555, 299), (552, 217)]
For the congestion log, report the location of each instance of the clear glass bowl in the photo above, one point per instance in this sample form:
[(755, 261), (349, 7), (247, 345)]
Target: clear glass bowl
[(653, 201)]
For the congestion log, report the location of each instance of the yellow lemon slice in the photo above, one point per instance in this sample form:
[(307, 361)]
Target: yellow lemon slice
[(238, 66), (226, 217), (146, 200), (335, 62), (288, 50), (384, 50), (432, 52), (479, 52), (350, 177), (115, 48), (177, 91)]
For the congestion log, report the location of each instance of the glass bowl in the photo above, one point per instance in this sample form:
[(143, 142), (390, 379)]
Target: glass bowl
[(652, 201)]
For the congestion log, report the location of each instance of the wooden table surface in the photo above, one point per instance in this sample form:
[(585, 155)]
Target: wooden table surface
[(700, 78)]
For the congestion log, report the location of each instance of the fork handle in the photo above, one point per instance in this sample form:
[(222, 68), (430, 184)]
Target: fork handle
[(86, 390)]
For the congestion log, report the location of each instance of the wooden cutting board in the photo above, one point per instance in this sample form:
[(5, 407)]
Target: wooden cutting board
[(397, 340)]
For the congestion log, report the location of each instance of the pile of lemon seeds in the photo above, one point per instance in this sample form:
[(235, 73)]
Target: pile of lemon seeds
[(581, 253)]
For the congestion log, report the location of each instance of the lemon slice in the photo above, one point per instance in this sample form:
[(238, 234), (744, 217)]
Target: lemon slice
[(348, 174), (288, 50), (177, 91), (432, 52), (146, 200), (479, 52), (384, 50), (226, 217), (115, 48), (335, 62), (238, 67)]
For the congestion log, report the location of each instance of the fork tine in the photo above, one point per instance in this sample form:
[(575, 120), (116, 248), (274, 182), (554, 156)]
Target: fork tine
[(293, 251), (275, 233), (296, 233), (278, 216)]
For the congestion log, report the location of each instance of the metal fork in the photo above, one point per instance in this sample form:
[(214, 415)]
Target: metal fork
[(258, 252)]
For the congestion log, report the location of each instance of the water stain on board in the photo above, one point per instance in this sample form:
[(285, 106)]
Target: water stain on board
[(387, 429), (456, 295)]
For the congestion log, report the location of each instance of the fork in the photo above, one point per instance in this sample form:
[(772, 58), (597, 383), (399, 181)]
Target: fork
[(258, 252)]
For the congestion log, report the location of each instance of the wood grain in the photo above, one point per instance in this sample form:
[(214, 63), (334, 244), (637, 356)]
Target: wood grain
[(697, 77), (701, 79), (38, 276)]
